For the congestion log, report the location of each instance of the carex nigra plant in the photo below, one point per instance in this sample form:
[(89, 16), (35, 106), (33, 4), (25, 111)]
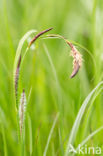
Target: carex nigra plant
[(19, 58)]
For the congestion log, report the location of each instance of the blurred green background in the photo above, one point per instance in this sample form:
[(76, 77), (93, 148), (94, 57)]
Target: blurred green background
[(80, 21)]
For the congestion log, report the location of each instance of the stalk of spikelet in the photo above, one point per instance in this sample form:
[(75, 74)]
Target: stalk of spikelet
[(22, 110)]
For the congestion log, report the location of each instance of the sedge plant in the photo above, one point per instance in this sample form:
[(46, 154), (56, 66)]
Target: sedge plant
[(21, 103)]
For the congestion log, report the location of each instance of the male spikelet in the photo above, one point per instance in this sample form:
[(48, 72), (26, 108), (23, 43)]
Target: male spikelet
[(22, 110)]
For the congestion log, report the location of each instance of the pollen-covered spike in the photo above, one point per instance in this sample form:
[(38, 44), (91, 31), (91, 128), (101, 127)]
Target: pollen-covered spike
[(22, 109), (75, 70), (77, 59)]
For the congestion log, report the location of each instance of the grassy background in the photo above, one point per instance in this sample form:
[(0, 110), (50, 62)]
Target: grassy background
[(80, 21)]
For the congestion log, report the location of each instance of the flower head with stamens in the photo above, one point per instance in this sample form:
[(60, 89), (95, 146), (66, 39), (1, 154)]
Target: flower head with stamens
[(22, 110), (77, 59)]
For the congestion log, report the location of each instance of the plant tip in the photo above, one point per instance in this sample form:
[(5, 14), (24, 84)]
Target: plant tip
[(38, 35)]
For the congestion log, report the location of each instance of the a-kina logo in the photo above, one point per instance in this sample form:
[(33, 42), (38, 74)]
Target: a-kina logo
[(84, 150)]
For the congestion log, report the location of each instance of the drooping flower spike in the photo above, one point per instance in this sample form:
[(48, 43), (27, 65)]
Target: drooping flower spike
[(77, 57)]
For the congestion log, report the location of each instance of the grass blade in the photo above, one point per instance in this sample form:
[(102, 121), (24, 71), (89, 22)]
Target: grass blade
[(90, 136), (50, 134), (30, 134), (79, 117), (4, 141), (55, 76)]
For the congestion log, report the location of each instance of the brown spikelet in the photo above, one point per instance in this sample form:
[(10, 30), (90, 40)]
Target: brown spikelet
[(17, 76), (38, 35), (77, 59), (75, 70)]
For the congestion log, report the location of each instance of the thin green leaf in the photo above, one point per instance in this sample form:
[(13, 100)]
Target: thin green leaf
[(50, 134), (79, 117)]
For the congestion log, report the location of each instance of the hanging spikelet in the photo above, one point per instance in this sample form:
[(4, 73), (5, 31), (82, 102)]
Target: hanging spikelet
[(22, 110), (77, 59)]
